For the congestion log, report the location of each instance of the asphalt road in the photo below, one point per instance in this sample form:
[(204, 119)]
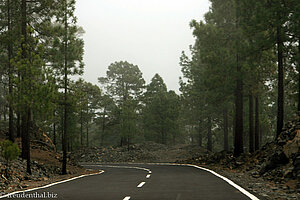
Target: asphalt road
[(144, 182)]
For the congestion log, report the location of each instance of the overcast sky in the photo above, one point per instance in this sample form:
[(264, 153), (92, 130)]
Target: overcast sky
[(148, 33)]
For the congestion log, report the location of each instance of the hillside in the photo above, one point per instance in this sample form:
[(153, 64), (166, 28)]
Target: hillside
[(45, 166)]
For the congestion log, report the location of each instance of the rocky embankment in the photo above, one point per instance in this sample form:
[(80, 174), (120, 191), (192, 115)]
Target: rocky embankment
[(138, 153), (45, 166), (272, 172)]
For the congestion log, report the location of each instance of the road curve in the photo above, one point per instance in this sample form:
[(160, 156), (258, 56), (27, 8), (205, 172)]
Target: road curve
[(145, 182)]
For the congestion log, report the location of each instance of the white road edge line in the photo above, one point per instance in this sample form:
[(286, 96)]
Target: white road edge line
[(148, 176), (126, 198), (141, 184), (230, 182), (51, 184)]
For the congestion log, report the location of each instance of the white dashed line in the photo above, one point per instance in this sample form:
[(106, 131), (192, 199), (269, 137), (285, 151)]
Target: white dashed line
[(126, 198), (141, 184), (148, 176)]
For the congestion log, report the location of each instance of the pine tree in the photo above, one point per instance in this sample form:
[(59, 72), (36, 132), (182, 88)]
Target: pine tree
[(124, 83)]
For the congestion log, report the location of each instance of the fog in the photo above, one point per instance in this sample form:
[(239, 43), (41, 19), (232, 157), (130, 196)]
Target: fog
[(151, 34)]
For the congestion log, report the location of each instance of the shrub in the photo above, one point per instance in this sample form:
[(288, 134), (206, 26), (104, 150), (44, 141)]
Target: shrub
[(9, 150)]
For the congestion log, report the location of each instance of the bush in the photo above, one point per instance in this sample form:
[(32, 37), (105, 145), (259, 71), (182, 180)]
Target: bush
[(9, 151)]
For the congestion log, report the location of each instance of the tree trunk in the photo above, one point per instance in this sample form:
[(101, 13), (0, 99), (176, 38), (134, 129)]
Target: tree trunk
[(23, 137), (65, 133), (225, 118), (102, 137), (191, 134), (162, 133), (256, 133), (280, 100), (87, 126), (238, 136), (54, 130), (4, 114), (103, 127), (10, 73), (18, 124), (128, 144), (28, 127), (26, 114), (199, 133), (165, 137), (251, 131), (81, 128), (71, 142), (122, 141), (209, 136), (299, 78), (238, 139), (54, 134), (260, 135), (26, 138), (87, 133), (174, 138)]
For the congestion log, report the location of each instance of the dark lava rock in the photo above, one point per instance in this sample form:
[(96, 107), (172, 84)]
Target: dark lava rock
[(274, 160), (296, 170)]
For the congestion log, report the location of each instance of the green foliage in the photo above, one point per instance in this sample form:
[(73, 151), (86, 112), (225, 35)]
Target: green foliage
[(209, 76), (87, 98), (161, 112), (241, 40), (9, 151), (123, 80), (124, 84)]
